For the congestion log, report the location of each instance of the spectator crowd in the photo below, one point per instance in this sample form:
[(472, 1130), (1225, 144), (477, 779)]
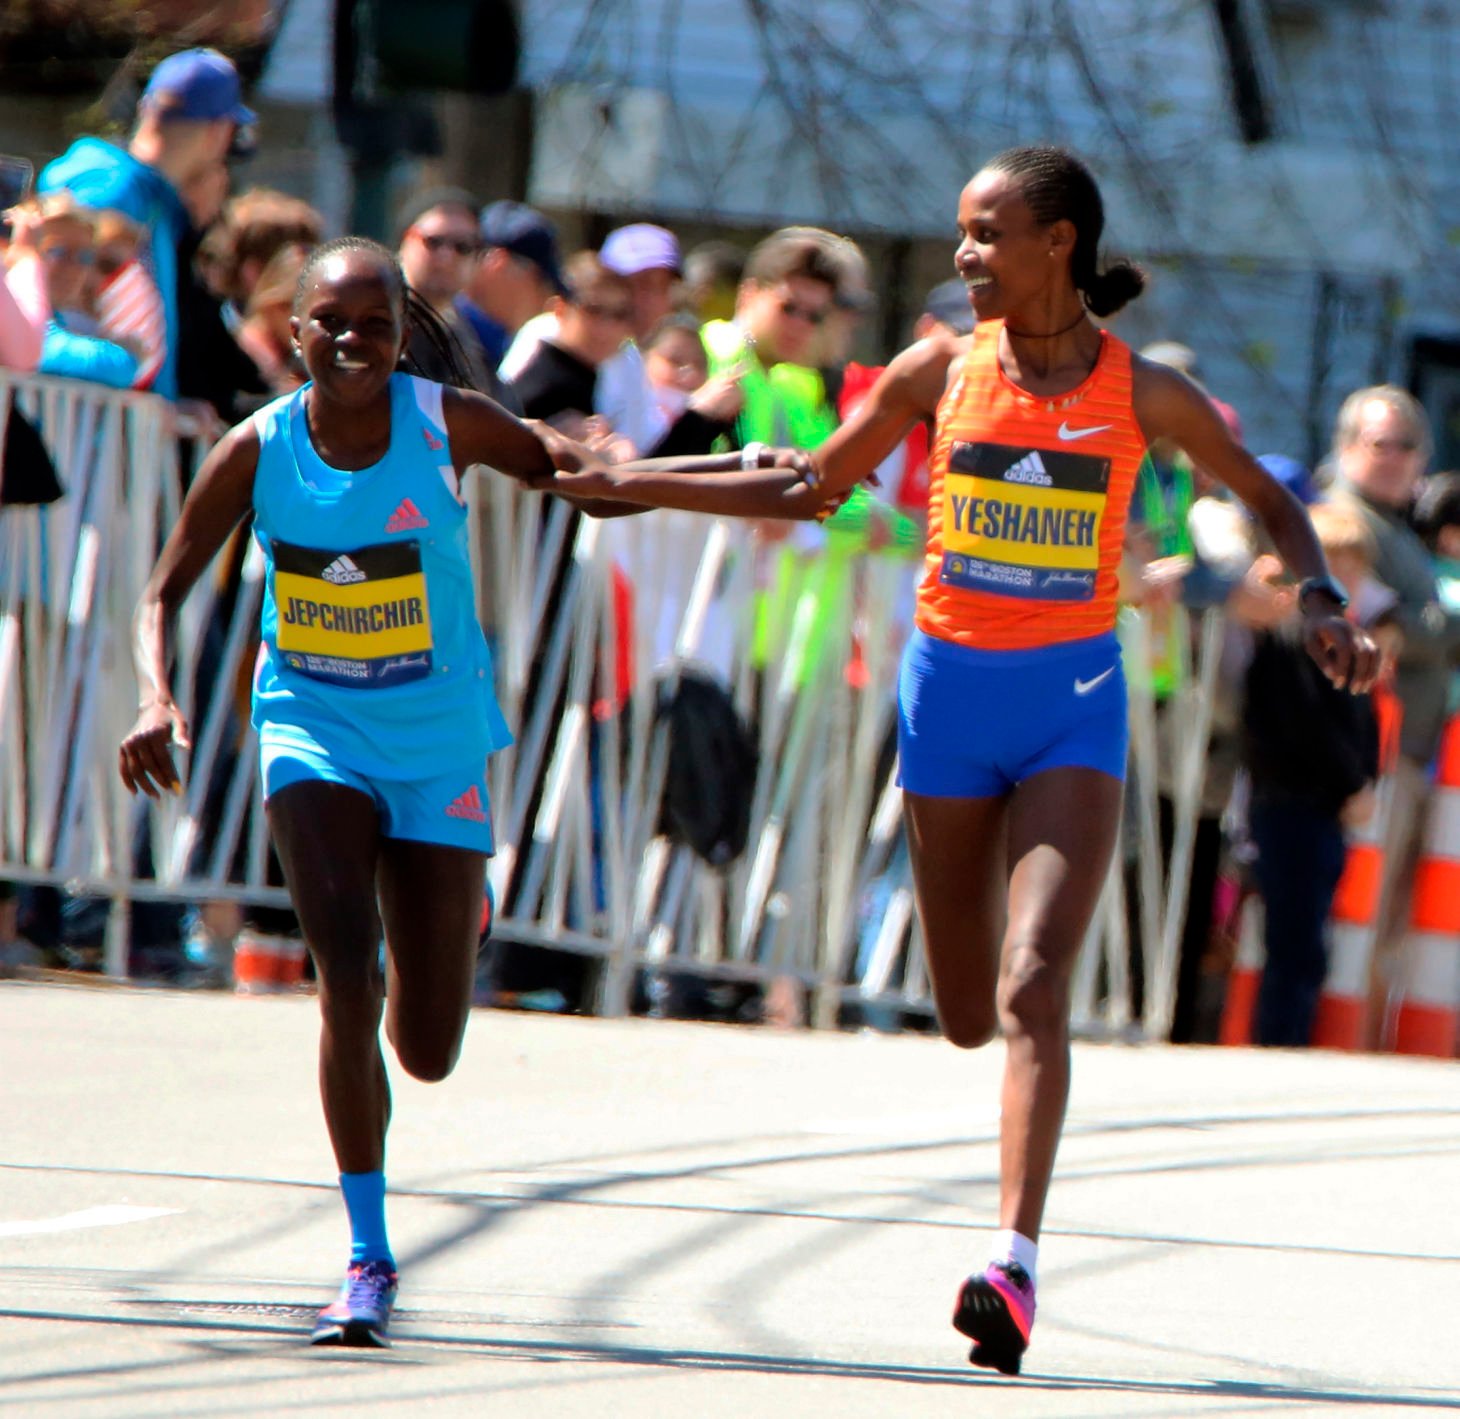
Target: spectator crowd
[(135, 266)]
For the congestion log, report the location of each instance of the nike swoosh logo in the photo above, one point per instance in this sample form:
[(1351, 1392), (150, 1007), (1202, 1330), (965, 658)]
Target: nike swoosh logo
[(1083, 687), (1069, 435)]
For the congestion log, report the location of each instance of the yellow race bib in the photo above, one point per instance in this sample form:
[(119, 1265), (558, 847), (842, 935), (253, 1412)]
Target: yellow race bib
[(1023, 521), (357, 618)]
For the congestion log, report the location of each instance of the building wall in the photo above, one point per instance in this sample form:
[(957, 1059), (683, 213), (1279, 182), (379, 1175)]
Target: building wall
[(1298, 267)]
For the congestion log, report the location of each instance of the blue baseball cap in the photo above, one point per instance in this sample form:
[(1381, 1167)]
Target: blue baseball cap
[(198, 84), (525, 232), (1294, 476)]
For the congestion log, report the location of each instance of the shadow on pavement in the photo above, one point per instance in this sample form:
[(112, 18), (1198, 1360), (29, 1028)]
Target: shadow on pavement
[(730, 1362)]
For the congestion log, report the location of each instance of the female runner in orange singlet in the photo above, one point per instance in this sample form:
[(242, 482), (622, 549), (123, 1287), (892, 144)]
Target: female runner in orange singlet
[(1012, 709)]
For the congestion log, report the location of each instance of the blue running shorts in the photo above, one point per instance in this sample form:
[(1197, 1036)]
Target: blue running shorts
[(451, 809), (973, 723)]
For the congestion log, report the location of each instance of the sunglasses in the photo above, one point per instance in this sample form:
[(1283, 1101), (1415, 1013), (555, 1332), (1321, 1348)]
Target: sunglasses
[(462, 246), (619, 314), (812, 315)]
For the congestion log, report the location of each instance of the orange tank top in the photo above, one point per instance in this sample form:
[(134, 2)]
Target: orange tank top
[(1027, 502)]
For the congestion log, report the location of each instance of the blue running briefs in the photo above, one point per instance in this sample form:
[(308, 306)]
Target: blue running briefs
[(973, 723)]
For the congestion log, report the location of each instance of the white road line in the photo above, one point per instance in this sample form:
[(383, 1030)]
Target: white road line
[(111, 1216)]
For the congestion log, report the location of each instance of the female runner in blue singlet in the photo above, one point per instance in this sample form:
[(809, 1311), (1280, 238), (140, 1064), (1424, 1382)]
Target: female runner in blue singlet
[(373, 701)]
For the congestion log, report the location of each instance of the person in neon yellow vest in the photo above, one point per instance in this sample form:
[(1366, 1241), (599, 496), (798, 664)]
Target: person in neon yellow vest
[(788, 292), (786, 295)]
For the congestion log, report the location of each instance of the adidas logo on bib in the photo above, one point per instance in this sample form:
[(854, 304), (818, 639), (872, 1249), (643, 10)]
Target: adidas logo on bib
[(1029, 469), (342, 572)]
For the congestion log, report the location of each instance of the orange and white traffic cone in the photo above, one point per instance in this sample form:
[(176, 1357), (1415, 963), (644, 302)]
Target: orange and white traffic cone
[(1427, 1017)]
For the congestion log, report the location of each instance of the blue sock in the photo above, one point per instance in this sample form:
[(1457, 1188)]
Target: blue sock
[(365, 1202)]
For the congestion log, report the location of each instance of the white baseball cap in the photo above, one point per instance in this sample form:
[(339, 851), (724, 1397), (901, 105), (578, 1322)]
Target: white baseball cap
[(640, 247)]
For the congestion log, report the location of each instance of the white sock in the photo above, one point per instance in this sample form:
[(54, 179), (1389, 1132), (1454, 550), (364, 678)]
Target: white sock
[(1015, 1246)]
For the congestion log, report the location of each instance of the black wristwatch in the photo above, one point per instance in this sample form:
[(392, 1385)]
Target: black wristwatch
[(1324, 586)]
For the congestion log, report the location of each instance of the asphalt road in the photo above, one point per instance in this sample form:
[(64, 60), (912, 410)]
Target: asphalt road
[(651, 1219)]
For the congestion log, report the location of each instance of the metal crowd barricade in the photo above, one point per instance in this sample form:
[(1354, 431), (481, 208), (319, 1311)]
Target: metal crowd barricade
[(822, 895), (71, 573)]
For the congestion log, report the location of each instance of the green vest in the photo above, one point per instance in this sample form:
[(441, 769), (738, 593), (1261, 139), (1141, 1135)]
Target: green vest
[(1165, 507), (1164, 510), (785, 406)]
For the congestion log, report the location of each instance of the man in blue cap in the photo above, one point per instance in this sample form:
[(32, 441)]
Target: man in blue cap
[(190, 119), (516, 273)]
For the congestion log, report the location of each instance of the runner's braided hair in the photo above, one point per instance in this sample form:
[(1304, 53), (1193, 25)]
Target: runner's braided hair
[(1057, 185), (417, 313)]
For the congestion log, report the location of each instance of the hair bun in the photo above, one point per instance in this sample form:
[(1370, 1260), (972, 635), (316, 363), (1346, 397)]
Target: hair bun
[(1115, 287)]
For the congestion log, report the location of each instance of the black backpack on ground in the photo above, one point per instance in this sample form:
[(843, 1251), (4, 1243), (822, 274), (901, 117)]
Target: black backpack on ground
[(712, 766)]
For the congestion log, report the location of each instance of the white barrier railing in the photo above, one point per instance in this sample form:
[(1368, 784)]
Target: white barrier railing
[(822, 895), (70, 574)]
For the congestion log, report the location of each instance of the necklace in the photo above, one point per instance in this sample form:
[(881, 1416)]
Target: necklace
[(1026, 335)]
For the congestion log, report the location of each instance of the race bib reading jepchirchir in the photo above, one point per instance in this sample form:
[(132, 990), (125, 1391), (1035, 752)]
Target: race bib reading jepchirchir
[(356, 618)]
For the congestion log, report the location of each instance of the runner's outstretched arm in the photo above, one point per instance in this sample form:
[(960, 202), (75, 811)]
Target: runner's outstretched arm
[(784, 483), (1168, 405)]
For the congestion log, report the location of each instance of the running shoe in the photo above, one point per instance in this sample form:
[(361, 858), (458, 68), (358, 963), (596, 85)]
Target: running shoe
[(360, 1314), (996, 1311)]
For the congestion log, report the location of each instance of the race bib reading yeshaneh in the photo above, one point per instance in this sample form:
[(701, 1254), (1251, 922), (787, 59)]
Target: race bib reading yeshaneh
[(1023, 521), (353, 618)]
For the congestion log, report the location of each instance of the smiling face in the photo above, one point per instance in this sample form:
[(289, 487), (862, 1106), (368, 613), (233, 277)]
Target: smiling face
[(1007, 258), (350, 327)]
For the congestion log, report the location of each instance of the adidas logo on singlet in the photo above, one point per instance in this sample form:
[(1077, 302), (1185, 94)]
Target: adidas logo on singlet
[(342, 572), (1029, 469), (406, 517)]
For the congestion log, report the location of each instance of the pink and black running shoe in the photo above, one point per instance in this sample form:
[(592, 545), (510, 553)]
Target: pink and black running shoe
[(996, 1311)]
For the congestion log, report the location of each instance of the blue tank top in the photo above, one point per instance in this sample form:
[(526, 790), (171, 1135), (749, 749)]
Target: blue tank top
[(371, 643)]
